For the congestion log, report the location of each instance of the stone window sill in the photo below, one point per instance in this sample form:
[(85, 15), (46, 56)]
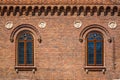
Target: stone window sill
[(95, 68), (25, 68)]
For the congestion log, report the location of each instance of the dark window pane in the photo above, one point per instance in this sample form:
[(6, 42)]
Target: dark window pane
[(25, 36), (21, 37), (98, 37), (99, 53), (90, 36), (90, 52), (21, 52), (29, 53), (94, 35), (29, 36)]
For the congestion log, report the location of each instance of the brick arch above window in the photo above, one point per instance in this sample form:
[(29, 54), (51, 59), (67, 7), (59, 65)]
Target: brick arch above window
[(22, 27), (95, 27)]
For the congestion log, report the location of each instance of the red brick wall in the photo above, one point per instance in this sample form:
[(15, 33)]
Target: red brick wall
[(60, 55)]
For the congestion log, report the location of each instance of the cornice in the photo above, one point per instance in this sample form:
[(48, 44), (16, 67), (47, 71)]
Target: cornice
[(59, 10)]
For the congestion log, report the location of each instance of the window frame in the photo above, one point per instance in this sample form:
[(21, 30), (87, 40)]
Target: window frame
[(95, 57), (25, 48)]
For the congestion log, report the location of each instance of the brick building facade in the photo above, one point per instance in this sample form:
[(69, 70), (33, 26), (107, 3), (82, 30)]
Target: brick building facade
[(49, 40)]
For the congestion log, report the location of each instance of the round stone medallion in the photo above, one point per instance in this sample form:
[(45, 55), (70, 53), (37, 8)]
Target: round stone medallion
[(77, 24), (112, 24), (42, 24), (9, 24)]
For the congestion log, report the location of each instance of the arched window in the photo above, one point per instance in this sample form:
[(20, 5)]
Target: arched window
[(94, 49), (25, 49)]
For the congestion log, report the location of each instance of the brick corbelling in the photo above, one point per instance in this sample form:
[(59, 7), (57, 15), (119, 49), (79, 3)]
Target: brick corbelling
[(59, 10), (60, 2)]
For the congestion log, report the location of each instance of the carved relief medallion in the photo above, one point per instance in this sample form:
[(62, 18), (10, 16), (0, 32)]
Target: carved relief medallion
[(112, 24), (9, 24), (42, 24), (77, 24)]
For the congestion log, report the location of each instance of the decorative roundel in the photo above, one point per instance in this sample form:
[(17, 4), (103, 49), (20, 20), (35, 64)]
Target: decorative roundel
[(42, 24), (77, 24), (112, 24), (9, 24)]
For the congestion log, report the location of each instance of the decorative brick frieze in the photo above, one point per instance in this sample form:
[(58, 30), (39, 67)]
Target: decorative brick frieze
[(59, 10)]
